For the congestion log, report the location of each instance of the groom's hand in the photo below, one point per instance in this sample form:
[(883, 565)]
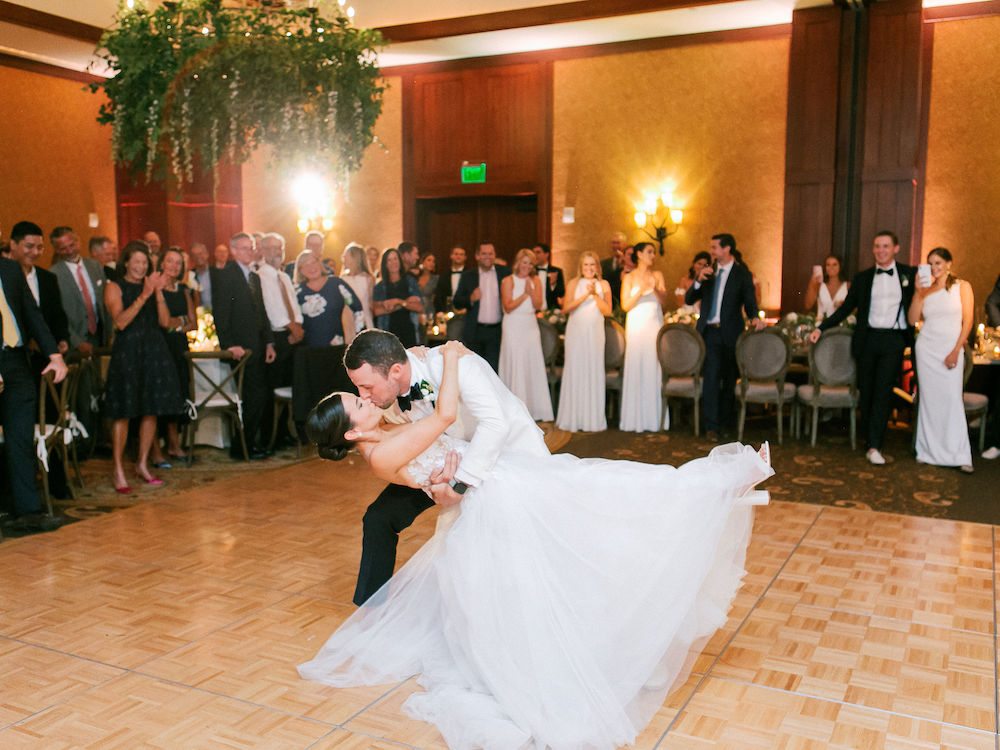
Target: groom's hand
[(444, 495)]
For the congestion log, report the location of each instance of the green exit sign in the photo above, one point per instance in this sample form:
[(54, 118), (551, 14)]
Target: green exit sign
[(473, 173)]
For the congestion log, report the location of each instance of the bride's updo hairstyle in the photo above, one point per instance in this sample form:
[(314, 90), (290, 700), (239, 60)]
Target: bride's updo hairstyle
[(326, 425), (380, 349)]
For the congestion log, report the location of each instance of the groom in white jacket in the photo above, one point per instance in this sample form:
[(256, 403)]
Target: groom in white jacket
[(490, 417)]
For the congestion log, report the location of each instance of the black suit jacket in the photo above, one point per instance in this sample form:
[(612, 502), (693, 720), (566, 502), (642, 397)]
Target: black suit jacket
[(554, 294), (29, 318), (442, 294), (462, 301), (613, 276), (859, 297), (238, 309), (50, 303), (738, 297)]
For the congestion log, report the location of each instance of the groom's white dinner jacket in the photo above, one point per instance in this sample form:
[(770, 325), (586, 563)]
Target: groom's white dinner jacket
[(490, 417)]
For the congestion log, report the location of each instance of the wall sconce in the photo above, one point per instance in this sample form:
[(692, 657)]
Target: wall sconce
[(657, 213), (315, 203)]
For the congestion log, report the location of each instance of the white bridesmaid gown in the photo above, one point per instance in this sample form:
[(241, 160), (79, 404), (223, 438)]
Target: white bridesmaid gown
[(560, 602), (581, 394), (942, 430), (642, 378), (522, 364)]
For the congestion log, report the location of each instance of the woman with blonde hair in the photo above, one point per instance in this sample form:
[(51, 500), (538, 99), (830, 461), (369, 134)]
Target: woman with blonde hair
[(522, 363), (587, 303), (331, 314), (354, 270)]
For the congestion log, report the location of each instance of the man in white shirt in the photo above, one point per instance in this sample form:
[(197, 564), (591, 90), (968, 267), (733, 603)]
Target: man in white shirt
[(479, 295)]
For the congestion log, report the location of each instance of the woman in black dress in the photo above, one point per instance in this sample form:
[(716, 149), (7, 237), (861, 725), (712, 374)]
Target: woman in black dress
[(141, 381), (396, 300), (182, 318)]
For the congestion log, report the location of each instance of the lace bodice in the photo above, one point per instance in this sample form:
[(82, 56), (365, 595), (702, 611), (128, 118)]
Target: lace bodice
[(421, 467)]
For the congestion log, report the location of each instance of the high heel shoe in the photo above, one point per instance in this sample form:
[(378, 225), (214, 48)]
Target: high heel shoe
[(123, 489), (150, 480)]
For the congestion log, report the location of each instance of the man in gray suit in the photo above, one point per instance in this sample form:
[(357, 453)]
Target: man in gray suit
[(81, 286)]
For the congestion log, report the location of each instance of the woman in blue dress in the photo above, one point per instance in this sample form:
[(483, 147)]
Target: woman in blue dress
[(331, 313)]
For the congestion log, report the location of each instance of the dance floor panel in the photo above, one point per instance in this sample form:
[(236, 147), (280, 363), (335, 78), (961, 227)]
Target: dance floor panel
[(178, 624)]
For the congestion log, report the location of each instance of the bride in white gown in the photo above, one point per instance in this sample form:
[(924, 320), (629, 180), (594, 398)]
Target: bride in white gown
[(560, 601)]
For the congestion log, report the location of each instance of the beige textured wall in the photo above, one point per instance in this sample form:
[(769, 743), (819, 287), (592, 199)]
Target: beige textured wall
[(710, 118), (962, 196), (373, 210), (55, 160)]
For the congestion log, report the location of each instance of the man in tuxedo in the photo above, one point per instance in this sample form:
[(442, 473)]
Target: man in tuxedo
[(81, 286), (479, 295), (612, 268), (551, 276), (489, 416), (241, 323), (21, 321), (882, 296), (726, 290), (447, 286)]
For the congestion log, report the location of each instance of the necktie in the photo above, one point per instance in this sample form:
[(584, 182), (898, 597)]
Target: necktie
[(415, 394), (287, 301), (716, 295), (884, 270), (88, 301), (10, 335)]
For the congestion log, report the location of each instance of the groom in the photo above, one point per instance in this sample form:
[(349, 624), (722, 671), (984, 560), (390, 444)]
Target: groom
[(490, 417)]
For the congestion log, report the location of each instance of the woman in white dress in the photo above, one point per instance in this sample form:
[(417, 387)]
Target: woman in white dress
[(522, 363), (581, 395), (644, 294), (527, 624), (946, 308), (828, 291), (354, 270)]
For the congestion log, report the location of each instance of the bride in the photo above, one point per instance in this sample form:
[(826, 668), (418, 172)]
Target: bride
[(559, 603)]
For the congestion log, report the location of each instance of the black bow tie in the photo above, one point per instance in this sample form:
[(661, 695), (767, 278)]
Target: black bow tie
[(458, 271), (542, 268), (415, 394), (884, 270)]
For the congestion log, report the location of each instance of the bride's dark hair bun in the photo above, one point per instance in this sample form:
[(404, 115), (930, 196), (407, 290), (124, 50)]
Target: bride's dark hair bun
[(326, 425)]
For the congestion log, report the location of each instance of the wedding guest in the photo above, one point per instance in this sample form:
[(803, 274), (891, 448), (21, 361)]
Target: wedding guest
[(881, 295), (447, 287), (355, 271), (613, 268), (479, 295), (221, 256), (142, 379), (200, 276), (313, 242), (152, 240), (628, 259), (644, 294), (427, 281), (374, 258), (827, 292), (946, 306), (522, 362), (331, 314), (181, 318), (701, 260), (551, 277), (396, 300), (104, 251), (581, 394), (409, 253)]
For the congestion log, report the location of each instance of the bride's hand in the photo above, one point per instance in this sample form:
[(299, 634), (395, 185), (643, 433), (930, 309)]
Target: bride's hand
[(455, 347), (420, 352)]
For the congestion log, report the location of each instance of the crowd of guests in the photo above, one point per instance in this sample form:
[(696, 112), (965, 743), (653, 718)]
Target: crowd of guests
[(276, 311)]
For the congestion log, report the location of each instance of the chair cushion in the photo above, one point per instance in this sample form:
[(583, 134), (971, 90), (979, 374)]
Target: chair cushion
[(829, 395), (680, 387), (284, 392), (975, 401), (766, 393)]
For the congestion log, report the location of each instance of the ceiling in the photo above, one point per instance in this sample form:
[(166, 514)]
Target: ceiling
[(514, 25)]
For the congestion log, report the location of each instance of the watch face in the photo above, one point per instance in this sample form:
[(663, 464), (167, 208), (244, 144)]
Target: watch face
[(460, 487)]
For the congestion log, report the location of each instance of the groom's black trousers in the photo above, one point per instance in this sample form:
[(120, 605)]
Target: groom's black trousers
[(393, 510)]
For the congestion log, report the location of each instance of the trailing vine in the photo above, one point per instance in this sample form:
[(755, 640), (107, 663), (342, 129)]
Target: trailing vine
[(198, 81)]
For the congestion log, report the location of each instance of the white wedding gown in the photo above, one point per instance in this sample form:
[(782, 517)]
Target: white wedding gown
[(560, 602)]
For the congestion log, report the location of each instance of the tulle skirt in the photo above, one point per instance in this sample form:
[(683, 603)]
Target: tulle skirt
[(560, 602)]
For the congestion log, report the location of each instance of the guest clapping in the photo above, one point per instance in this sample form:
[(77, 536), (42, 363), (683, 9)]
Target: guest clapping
[(331, 314), (141, 380), (396, 300), (701, 260), (581, 395), (522, 363), (945, 304), (827, 290)]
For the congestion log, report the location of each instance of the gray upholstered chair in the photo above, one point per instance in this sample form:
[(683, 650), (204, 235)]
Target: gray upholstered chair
[(832, 379), (681, 351), (976, 404), (763, 358), (614, 359)]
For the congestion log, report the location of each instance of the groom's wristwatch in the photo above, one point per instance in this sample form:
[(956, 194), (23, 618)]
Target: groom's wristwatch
[(459, 487)]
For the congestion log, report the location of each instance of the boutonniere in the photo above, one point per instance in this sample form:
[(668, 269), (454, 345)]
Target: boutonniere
[(905, 281), (428, 390)]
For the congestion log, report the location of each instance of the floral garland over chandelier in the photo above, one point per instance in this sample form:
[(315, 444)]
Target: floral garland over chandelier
[(200, 81)]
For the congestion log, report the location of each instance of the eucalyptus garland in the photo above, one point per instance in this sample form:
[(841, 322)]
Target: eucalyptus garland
[(199, 81)]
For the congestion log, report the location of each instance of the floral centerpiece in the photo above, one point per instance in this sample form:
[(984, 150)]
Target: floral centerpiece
[(556, 317), (687, 315), (197, 81), (204, 339)]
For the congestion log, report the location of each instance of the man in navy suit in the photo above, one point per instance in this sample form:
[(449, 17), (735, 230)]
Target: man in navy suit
[(882, 296), (20, 322), (726, 291), (479, 295)]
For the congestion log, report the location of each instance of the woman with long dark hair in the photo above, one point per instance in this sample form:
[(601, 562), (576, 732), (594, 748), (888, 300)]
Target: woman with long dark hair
[(829, 290), (396, 300)]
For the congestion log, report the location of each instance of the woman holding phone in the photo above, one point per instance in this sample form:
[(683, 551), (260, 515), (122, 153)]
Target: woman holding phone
[(827, 288), (945, 304)]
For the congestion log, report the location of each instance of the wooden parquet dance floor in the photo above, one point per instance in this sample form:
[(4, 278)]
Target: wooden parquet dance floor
[(178, 624)]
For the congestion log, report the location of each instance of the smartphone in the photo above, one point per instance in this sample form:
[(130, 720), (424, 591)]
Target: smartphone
[(818, 273), (924, 274)]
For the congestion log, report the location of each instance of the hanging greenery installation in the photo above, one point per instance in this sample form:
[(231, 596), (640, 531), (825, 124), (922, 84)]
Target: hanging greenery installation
[(195, 82)]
